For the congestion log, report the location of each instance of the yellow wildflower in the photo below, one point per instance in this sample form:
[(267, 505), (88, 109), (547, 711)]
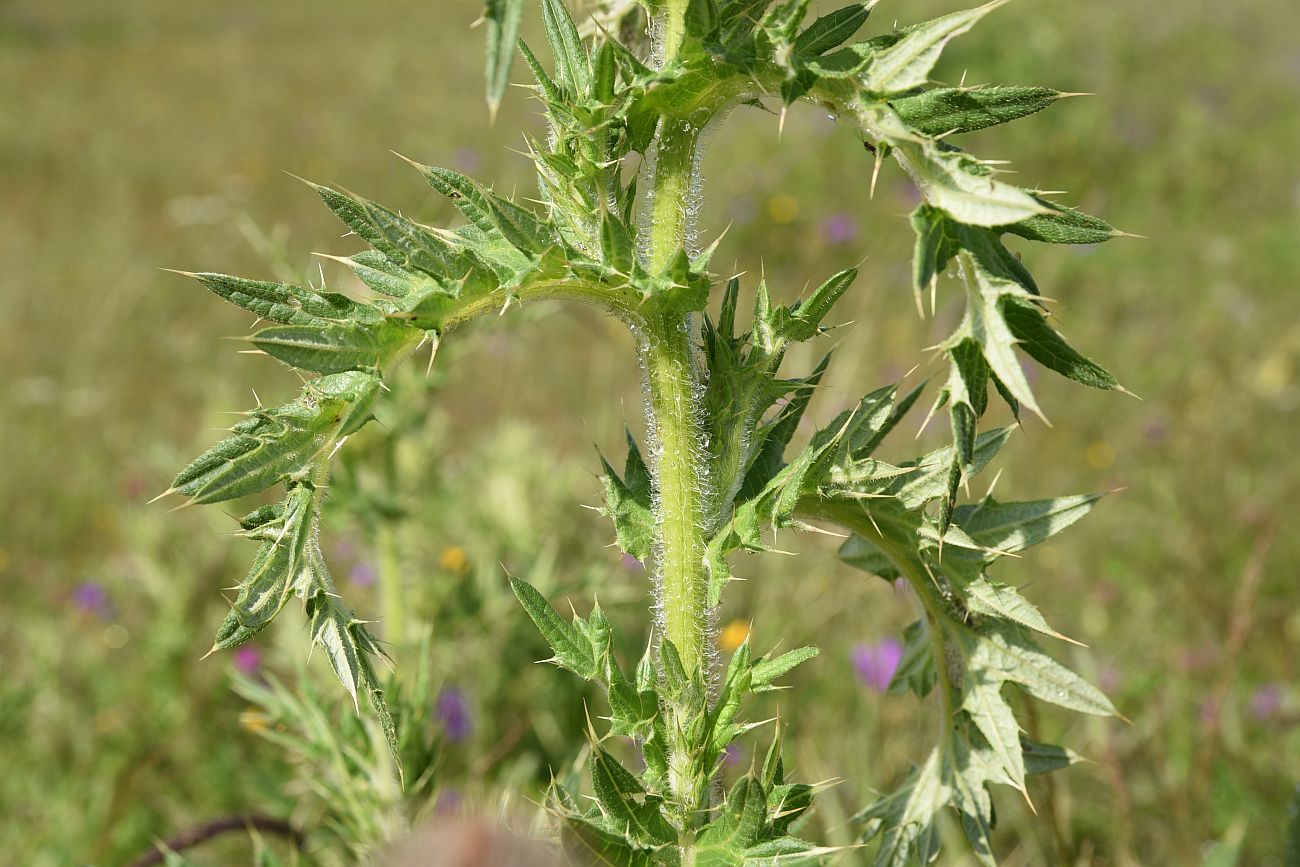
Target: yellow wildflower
[(733, 635), (454, 559)]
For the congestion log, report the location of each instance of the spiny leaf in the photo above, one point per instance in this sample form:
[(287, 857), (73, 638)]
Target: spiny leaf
[(766, 671), (832, 29), (283, 303), (276, 444), (738, 826), (960, 110), (387, 277), (907, 64), (628, 503), (572, 69), (1064, 225), (990, 713), (947, 181), (572, 651), (1042, 343), (270, 582), (590, 844), (984, 596), (1002, 649), (1045, 758), (621, 798), (1014, 527), (338, 348), (502, 17)]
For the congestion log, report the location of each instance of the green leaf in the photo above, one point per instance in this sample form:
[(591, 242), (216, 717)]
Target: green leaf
[(624, 802), (961, 110), (984, 596), (277, 444), (933, 248), (986, 324), (338, 348), (1063, 225), (703, 19), (783, 21), (739, 17), (405, 243), (861, 554), (766, 671), (495, 216), (905, 819), (1002, 649), (832, 29), (629, 503), (572, 650), (907, 64), (1013, 527), (270, 582), (591, 845), (617, 245), (982, 700), (280, 302), (929, 482), (739, 825), (947, 180), (387, 277), (803, 321), (346, 642), (502, 17), (916, 669), (1045, 758), (1041, 342), (572, 66)]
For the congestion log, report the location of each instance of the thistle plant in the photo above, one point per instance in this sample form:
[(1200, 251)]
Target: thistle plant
[(631, 93)]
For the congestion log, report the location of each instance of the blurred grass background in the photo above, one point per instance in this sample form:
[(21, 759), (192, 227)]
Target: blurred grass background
[(141, 134)]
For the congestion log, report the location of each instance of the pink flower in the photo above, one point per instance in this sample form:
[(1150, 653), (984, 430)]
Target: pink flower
[(876, 663), (1266, 702), (839, 229), (247, 659)]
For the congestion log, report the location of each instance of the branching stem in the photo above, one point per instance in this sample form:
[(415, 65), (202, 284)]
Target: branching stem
[(853, 516)]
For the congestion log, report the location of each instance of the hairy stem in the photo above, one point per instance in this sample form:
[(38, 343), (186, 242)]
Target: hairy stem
[(671, 27), (671, 375), (680, 472), (674, 188)]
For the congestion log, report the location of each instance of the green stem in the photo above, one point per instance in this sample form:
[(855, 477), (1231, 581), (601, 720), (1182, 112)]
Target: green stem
[(670, 198), (855, 517), (683, 586), (671, 28), (672, 382)]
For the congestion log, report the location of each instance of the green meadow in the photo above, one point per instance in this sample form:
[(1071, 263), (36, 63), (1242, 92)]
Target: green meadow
[(142, 135)]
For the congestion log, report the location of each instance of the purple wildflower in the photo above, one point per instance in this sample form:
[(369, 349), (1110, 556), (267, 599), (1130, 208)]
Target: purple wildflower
[(876, 663), (839, 229), (453, 713), (92, 598), (1266, 702), (247, 659), (632, 564), (448, 802), (362, 574), (734, 755)]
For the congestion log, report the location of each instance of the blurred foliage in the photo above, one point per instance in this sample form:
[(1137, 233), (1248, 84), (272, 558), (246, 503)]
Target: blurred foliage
[(140, 134)]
